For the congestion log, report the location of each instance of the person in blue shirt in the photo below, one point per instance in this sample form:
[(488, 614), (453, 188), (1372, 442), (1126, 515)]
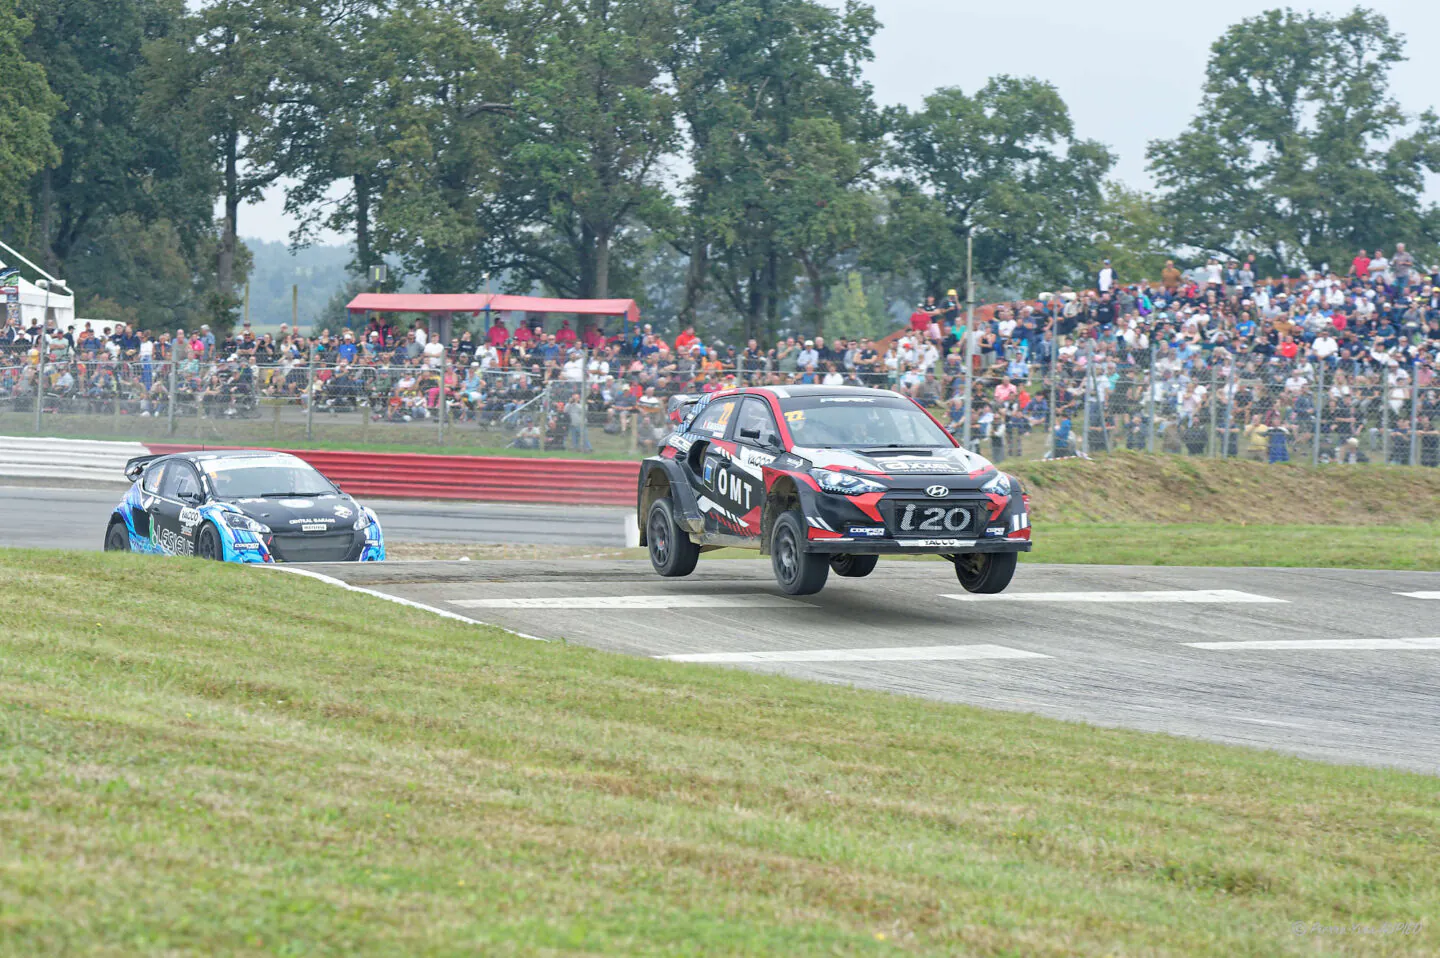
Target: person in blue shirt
[(347, 349)]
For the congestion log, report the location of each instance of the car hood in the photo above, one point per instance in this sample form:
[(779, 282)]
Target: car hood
[(295, 512), (897, 464)]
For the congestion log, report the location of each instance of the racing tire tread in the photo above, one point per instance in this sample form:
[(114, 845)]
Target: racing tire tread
[(123, 545), (850, 566), (672, 554), (797, 572), (998, 569), (208, 534)]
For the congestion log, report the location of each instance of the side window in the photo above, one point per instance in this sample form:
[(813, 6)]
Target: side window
[(757, 423), (154, 476), (180, 480), (713, 421)]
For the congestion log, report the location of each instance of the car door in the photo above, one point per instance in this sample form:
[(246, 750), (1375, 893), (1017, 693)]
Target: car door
[(174, 513), (706, 462), (757, 444), (143, 518)]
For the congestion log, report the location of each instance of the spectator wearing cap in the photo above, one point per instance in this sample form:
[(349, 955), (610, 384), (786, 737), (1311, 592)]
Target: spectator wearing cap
[(809, 356)]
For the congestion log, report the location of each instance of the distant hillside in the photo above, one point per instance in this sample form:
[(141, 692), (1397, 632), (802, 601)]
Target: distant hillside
[(319, 271)]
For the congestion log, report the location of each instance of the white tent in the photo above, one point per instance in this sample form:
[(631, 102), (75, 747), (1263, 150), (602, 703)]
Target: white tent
[(38, 304)]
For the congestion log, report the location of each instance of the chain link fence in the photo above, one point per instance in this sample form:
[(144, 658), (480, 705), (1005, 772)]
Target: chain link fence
[(1091, 401)]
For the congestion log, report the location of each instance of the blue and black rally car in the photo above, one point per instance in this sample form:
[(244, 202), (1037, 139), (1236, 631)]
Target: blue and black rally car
[(240, 506)]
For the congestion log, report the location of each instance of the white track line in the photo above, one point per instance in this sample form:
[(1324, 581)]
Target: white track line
[(331, 580), (1355, 645), (924, 653), (1421, 595), (1188, 595), (757, 600)]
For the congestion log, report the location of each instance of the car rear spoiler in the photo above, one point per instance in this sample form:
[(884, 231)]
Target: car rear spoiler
[(680, 406), (136, 467)]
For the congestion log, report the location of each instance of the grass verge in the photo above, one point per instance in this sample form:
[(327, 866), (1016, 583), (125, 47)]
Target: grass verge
[(206, 759)]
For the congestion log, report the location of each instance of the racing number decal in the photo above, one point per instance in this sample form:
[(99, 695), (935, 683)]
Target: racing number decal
[(934, 519)]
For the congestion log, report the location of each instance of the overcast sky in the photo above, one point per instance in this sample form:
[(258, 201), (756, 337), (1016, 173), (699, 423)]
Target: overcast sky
[(1130, 71)]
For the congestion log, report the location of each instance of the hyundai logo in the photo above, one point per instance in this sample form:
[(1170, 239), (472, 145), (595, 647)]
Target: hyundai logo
[(937, 492)]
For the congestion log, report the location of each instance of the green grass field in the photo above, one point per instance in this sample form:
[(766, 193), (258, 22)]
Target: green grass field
[(204, 759)]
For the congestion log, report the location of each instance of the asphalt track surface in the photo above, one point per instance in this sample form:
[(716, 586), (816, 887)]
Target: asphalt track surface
[(75, 518), (1143, 648), (1347, 669)]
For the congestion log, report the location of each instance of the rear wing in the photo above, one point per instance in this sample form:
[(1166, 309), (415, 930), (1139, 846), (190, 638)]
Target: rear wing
[(682, 405), (135, 468)]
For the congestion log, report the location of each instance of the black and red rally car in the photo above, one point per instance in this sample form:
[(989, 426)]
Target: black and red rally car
[(821, 478)]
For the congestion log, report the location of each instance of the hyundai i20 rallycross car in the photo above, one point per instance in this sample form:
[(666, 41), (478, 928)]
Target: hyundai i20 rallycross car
[(826, 478), (240, 506)]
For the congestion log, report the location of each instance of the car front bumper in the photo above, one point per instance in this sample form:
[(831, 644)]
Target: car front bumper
[(937, 546)]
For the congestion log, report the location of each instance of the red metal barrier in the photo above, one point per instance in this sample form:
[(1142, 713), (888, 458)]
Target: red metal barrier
[(480, 478)]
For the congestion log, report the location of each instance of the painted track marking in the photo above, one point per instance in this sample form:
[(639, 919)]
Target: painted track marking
[(1421, 595), (1186, 595), (1356, 645), (755, 600), (930, 653)]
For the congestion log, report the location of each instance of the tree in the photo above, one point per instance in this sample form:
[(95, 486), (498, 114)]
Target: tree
[(93, 53), (1298, 152), (782, 133), (1131, 233), (27, 105), (220, 77), (1006, 167)]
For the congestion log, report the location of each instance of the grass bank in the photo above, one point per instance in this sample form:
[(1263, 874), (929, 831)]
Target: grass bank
[(208, 759)]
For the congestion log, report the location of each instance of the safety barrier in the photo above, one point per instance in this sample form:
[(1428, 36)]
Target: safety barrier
[(477, 478), (24, 457)]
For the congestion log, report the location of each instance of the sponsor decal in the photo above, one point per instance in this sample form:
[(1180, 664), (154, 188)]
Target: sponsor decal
[(914, 465), (314, 527), (176, 544), (315, 520), (247, 546), (709, 472), (994, 530), (189, 519), (848, 399), (681, 443), (937, 543), (342, 512), (937, 492), (866, 532), (297, 503)]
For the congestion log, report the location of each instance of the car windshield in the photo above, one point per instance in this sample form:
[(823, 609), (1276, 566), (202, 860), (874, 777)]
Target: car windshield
[(862, 422), (258, 478)]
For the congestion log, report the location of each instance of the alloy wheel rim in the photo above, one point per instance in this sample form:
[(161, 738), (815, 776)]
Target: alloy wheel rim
[(659, 542)]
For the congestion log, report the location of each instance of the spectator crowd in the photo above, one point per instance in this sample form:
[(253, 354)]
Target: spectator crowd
[(1214, 360)]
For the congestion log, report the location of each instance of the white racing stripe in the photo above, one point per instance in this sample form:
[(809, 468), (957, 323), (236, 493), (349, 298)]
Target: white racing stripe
[(1189, 595), (331, 580), (1420, 595), (1354, 645), (914, 653), (756, 600)]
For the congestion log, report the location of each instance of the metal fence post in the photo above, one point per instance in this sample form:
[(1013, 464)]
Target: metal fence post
[(1414, 413), (1211, 398), (1230, 412), (440, 405), (310, 397), (1319, 411), (39, 383), (1086, 383), (118, 396), (585, 399), (1385, 414), (170, 406), (1150, 402), (1054, 371)]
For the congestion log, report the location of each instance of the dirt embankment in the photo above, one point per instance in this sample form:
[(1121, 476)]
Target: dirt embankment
[(1129, 487)]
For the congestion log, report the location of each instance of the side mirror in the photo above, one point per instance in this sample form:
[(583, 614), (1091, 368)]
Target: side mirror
[(192, 497), (752, 434)]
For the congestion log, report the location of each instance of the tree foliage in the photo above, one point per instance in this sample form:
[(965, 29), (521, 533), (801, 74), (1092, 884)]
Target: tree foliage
[(27, 105), (1298, 152)]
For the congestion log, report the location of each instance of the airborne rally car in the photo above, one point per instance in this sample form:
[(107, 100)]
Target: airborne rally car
[(825, 478), (240, 506)]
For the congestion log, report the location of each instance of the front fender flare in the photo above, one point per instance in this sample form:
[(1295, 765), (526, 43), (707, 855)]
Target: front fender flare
[(687, 508)]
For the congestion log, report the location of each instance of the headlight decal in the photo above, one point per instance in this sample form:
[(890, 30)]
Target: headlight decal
[(845, 483)]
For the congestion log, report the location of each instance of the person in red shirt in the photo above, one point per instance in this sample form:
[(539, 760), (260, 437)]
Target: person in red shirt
[(685, 340), (524, 335), (1288, 347), (594, 338), (498, 335), (565, 336), (1360, 266)]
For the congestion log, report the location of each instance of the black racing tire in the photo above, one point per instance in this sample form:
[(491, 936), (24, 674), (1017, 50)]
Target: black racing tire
[(986, 573), (671, 551), (117, 537), (207, 544), (852, 566), (797, 572)]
